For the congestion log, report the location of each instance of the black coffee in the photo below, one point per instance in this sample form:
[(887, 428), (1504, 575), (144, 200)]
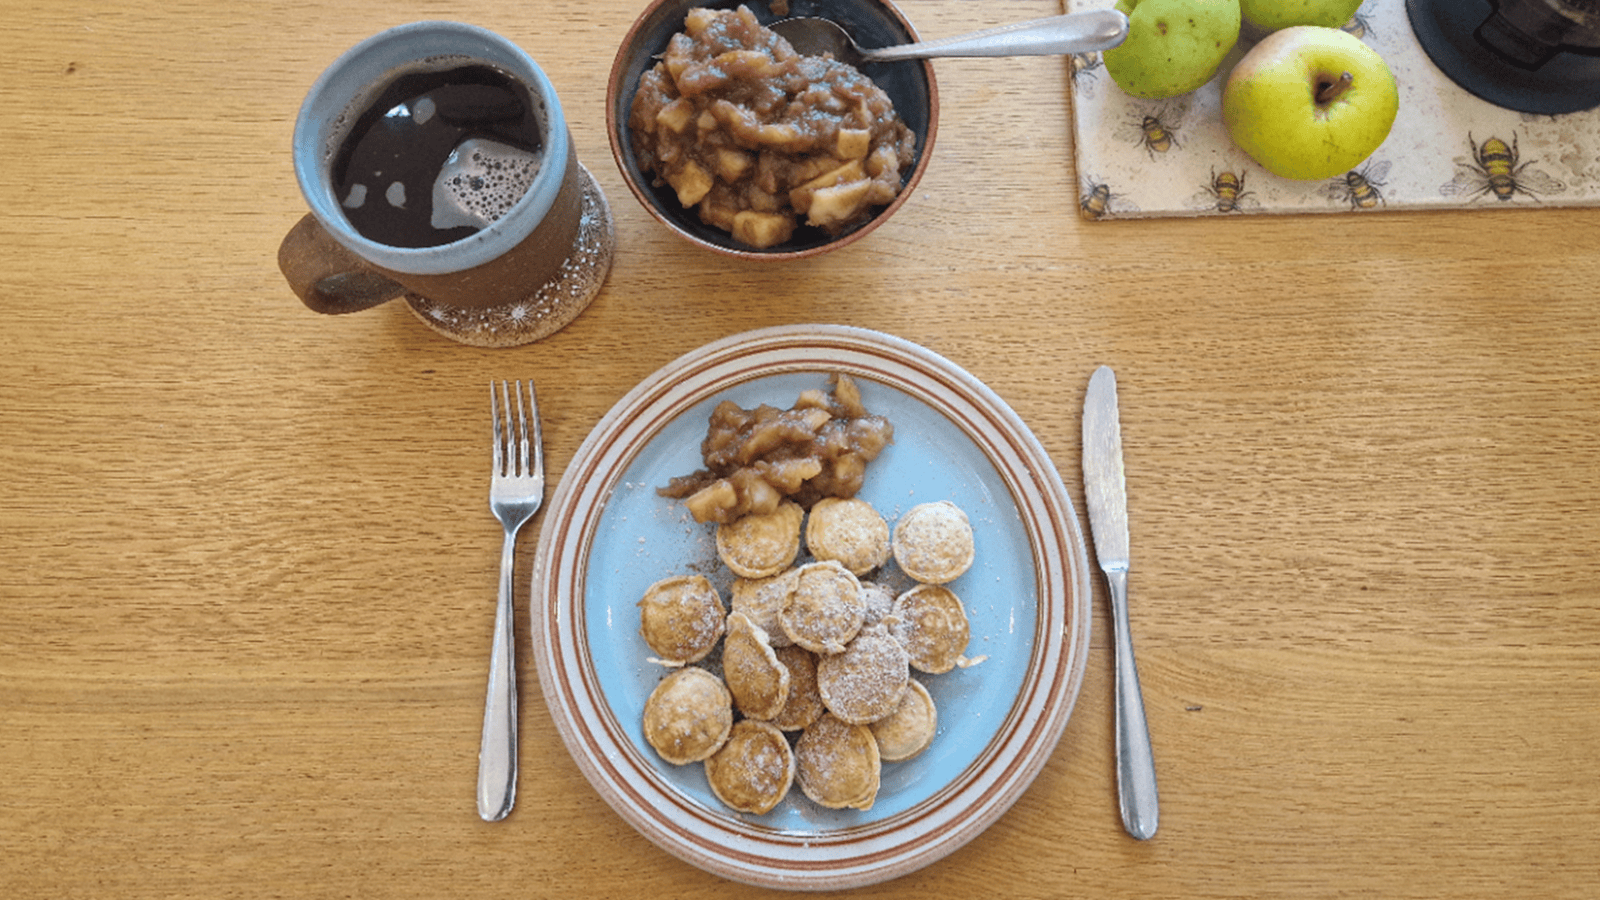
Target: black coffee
[(438, 156)]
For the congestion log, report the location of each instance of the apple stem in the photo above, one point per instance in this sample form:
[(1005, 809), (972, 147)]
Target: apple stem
[(1329, 91)]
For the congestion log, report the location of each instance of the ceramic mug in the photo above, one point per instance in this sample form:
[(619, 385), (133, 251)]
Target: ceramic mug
[(532, 264)]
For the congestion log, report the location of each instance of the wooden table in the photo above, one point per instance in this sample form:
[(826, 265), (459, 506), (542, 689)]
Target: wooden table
[(247, 572)]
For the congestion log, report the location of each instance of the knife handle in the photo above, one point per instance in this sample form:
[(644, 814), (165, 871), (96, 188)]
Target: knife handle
[(1136, 766)]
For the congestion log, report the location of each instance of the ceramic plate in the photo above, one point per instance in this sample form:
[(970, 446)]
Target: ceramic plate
[(607, 536)]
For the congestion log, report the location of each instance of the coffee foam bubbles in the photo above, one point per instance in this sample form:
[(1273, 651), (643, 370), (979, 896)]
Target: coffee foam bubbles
[(480, 182)]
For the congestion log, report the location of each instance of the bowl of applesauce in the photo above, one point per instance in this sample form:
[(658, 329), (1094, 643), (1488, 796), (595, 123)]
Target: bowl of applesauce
[(743, 146)]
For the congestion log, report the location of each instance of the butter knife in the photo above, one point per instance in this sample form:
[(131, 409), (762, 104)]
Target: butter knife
[(1105, 493)]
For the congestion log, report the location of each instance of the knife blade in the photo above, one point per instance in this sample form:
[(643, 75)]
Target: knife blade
[(1105, 493)]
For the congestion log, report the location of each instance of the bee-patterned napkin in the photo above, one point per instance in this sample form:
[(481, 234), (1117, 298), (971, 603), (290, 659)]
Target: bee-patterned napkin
[(1448, 149)]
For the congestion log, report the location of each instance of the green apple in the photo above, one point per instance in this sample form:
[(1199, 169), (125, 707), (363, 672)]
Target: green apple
[(1271, 15), (1310, 102), (1173, 46)]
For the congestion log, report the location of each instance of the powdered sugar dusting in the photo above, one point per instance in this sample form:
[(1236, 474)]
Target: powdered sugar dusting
[(837, 764), (866, 682)]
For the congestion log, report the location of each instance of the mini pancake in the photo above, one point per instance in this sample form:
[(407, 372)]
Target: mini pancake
[(688, 716), (681, 618), (805, 704), (757, 545), (933, 542), (825, 611), (866, 682), (763, 600), (758, 681), (849, 531), (837, 764), (910, 728), (876, 601), (932, 624), (753, 770)]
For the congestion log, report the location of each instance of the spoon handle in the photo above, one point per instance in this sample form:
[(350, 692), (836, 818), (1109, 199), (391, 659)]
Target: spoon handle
[(1136, 766), (1052, 36)]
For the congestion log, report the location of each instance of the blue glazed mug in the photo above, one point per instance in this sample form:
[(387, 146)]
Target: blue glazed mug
[(557, 233)]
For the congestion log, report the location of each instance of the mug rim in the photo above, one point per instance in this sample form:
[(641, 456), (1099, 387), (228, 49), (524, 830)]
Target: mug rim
[(362, 71)]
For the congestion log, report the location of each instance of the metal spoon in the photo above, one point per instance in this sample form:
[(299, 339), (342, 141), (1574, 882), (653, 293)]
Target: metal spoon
[(1056, 35)]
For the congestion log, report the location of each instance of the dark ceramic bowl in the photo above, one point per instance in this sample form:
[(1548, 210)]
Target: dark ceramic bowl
[(874, 23)]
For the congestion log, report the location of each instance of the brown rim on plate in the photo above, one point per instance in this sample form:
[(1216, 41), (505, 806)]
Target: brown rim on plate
[(743, 848)]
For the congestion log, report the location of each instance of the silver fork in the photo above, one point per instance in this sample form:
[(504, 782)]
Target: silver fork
[(515, 493)]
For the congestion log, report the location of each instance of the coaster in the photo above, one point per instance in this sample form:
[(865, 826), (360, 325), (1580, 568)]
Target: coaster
[(1447, 149), (556, 302)]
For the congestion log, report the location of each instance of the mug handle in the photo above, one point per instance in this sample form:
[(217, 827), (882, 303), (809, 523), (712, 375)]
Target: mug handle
[(327, 277)]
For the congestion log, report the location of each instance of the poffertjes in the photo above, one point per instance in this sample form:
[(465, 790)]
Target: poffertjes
[(849, 531), (933, 542), (932, 625), (758, 681), (805, 703), (688, 716), (825, 611), (681, 618), (837, 764), (757, 545), (866, 682), (753, 769), (910, 728), (764, 599), (876, 602)]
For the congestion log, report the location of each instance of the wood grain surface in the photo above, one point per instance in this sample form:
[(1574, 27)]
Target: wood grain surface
[(247, 568)]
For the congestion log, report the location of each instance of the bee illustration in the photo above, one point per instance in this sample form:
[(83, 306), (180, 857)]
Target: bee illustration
[(1361, 188), (1224, 193), (1157, 132), (1098, 201), (1085, 68), (1495, 169)]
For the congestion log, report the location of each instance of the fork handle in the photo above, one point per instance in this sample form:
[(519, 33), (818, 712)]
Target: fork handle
[(497, 754)]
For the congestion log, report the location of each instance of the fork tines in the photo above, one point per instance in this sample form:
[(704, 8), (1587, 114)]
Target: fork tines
[(511, 438)]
